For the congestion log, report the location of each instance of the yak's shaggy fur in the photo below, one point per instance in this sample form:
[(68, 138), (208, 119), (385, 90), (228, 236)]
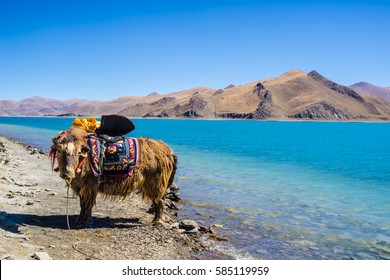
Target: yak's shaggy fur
[(155, 172)]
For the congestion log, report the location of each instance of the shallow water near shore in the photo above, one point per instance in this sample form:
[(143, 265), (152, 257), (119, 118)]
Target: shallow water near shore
[(281, 190)]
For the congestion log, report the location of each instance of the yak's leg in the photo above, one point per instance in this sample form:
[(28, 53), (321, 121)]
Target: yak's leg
[(152, 208), (86, 205), (158, 214)]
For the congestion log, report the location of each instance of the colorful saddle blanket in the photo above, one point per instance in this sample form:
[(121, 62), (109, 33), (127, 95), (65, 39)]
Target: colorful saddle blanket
[(113, 159)]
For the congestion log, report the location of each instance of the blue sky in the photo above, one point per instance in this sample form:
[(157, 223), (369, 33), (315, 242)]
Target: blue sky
[(107, 49)]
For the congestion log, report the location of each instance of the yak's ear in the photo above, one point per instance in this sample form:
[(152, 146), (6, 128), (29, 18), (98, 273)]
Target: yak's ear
[(60, 136)]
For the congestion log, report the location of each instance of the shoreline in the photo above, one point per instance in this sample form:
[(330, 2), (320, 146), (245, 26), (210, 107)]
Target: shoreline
[(33, 219)]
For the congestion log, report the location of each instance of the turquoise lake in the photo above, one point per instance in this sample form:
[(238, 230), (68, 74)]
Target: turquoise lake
[(281, 190)]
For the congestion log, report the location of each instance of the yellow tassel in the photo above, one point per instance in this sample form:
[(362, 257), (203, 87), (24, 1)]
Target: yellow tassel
[(89, 124)]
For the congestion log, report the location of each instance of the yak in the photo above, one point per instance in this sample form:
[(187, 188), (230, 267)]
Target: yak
[(154, 174)]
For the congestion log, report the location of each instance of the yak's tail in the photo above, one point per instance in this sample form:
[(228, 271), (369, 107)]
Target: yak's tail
[(175, 160)]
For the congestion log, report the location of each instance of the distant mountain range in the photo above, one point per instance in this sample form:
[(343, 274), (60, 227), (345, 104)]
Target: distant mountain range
[(381, 92), (38, 106), (295, 95)]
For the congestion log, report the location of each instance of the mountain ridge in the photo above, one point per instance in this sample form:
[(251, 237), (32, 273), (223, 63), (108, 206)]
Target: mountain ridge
[(294, 95)]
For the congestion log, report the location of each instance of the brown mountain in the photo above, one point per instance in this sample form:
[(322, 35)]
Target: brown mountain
[(297, 95), (293, 95), (381, 92)]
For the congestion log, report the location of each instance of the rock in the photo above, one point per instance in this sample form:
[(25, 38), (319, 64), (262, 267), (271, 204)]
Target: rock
[(26, 193), (164, 101), (18, 183), (322, 111), (25, 238), (14, 201), (7, 257), (30, 202), (174, 187), (259, 86), (217, 226), (216, 238), (174, 226), (7, 179), (41, 256), (230, 86), (188, 225), (171, 205), (203, 229), (192, 231), (200, 106), (265, 106), (236, 115), (262, 251), (172, 197), (173, 194), (15, 235)]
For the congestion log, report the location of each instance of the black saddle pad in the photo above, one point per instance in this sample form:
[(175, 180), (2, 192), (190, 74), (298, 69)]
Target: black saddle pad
[(115, 125)]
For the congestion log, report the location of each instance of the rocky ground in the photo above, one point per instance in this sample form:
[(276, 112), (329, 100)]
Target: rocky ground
[(35, 207)]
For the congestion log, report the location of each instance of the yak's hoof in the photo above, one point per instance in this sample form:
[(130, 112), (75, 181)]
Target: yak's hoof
[(158, 222)]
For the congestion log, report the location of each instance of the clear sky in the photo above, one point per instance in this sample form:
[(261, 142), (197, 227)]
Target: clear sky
[(106, 49)]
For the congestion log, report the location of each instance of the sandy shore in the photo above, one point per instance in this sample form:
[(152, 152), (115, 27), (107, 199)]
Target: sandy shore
[(33, 219)]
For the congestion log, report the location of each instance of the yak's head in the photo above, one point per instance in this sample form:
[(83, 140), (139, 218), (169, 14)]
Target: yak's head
[(70, 148)]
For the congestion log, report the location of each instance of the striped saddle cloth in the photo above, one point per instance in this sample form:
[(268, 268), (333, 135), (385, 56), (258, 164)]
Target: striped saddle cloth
[(113, 159)]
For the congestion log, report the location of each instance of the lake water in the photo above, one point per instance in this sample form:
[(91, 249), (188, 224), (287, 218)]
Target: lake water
[(281, 190)]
